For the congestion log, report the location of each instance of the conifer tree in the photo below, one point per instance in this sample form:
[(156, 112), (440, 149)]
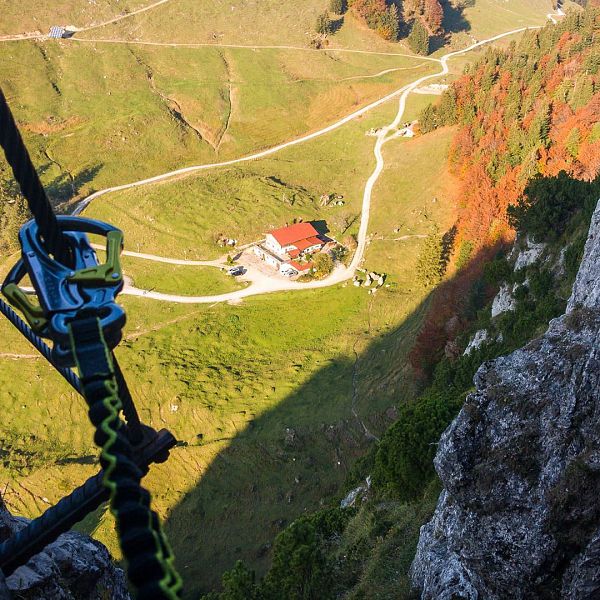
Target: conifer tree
[(433, 13), (390, 24), (430, 266), (411, 9), (573, 141), (447, 110), (428, 119), (418, 40)]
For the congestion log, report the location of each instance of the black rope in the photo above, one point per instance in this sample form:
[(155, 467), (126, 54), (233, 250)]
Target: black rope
[(134, 425), (44, 530), (39, 344), (72, 509), (26, 176)]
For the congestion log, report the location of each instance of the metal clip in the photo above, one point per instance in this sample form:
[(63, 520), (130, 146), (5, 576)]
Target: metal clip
[(63, 292)]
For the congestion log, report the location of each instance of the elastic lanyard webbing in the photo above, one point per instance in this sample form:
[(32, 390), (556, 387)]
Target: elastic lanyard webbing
[(144, 545)]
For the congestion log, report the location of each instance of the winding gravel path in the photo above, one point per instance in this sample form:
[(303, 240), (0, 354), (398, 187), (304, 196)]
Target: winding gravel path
[(263, 284)]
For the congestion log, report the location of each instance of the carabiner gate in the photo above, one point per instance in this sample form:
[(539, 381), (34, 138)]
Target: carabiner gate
[(65, 292)]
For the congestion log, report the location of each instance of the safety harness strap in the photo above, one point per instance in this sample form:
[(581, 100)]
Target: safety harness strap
[(144, 545)]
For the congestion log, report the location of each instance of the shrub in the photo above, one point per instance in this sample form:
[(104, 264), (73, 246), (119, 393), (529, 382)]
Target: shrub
[(238, 584), (324, 26), (404, 459), (379, 16), (340, 254), (497, 271), (322, 265), (573, 256), (300, 568)]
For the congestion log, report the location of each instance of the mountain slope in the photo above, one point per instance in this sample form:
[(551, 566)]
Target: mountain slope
[(518, 516), (364, 552)]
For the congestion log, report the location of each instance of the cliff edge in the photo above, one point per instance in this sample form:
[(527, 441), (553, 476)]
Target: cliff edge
[(519, 515), (74, 567)]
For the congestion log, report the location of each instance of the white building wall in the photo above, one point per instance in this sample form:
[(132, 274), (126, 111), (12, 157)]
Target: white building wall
[(268, 258), (272, 244)]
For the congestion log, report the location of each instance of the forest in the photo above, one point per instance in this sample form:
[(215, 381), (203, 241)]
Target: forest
[(533, 110)]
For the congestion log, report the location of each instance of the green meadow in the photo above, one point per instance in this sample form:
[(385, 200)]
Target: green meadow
[(100, 115), (30, 16)]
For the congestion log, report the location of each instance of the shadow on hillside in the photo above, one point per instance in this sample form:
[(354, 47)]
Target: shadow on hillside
[(336, 24), (297, 456), (454, 22), (65, 187), (290, 460), (454, 18)]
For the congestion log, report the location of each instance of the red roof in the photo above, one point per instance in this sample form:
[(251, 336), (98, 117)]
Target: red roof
[(307, 243), (300, 266), (288, 235), (294, 253)]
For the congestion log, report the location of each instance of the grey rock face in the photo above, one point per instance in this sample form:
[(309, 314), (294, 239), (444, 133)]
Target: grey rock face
[(529, 255), (4, 593), (74, 567), (480, 338), (519, 516), (503, 301)]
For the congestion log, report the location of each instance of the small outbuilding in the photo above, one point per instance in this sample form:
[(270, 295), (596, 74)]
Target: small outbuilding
[(58, 32)]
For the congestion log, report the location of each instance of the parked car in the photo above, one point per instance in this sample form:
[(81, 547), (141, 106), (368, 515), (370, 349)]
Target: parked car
[(235, 271)]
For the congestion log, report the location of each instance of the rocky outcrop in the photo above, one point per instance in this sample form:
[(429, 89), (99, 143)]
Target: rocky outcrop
[(74, 567), (480, 338), (504, 301), (529, 255), (519, 516)]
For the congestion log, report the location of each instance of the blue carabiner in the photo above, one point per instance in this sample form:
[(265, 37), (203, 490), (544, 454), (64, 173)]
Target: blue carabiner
[(63, 292)]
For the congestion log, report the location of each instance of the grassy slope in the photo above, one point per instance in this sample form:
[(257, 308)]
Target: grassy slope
[(241, 22), (30, 15), (121, 103), (486, 18), (246, 201), (171, 279), (215, 23), (239, 376)]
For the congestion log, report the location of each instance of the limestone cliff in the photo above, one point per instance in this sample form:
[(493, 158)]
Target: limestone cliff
[(519, 515), (74, 567)]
